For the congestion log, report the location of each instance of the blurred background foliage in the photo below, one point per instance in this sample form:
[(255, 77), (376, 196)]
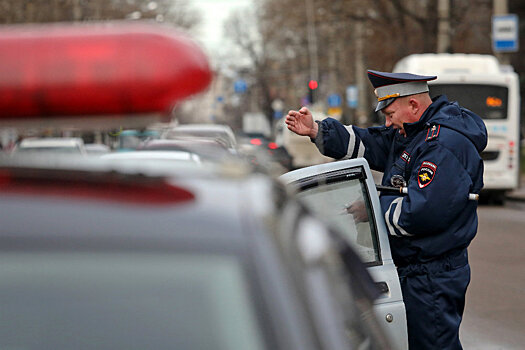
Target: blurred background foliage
[(177, 12), (352, 36)]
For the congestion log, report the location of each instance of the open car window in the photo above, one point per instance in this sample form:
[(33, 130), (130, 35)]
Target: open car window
[(332, 197)]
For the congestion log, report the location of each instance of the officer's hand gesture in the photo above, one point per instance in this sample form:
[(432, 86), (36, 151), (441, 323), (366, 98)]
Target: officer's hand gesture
[(358, 210), (302, 122)]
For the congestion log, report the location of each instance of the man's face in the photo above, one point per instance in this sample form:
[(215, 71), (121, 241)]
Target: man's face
[(397, 113)]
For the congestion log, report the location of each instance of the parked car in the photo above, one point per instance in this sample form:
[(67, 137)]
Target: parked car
[(219, 132), (264, 151), (207, 150), (96, 148), (327, 190), (156, 156), (51, 144), (129, 140)]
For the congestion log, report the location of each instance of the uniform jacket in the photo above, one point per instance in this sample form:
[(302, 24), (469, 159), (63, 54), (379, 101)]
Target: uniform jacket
[(439, 161)]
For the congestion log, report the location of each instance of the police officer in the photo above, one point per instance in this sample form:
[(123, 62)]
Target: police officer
[(432, 147)]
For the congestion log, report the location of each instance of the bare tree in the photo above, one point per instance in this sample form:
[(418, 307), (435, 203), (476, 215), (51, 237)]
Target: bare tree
[(392, 29), (177, 12), (243, 28)]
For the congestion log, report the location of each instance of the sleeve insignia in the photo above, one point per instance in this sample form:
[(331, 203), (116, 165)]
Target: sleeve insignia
[(426, 173), (405, 156), (433, 132)]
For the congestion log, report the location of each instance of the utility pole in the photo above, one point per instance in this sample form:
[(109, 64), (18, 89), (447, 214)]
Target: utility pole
[(312, 41), (360, 77), (500, 7), (443, 38)]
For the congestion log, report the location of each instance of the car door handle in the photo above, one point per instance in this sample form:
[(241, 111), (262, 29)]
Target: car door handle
[(383, 287)]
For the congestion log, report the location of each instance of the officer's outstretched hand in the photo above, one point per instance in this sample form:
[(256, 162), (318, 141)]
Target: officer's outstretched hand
[(301, 122), (358, 210)]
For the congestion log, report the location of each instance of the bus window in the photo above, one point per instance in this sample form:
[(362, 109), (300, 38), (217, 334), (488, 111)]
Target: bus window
[(487, 101)]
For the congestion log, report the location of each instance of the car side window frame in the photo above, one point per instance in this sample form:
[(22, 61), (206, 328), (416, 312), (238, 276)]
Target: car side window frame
[(354, 173)]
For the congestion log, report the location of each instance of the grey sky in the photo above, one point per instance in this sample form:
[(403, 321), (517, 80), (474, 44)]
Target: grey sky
[(214, 13)]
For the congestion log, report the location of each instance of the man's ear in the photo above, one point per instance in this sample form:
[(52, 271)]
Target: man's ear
[(414, 105)]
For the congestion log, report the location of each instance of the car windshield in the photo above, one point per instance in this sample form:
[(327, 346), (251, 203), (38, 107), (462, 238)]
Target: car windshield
[(328, 200), (120, 301)]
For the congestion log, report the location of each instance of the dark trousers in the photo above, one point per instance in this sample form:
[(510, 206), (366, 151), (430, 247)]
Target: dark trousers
[(434, 296)]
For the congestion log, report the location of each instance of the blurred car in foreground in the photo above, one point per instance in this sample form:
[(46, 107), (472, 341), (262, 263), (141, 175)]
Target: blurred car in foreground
[(51, 144), (107, 254), (198, 259)]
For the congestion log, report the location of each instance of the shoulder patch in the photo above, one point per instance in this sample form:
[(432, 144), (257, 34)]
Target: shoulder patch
[(433, 132), (426, 173)]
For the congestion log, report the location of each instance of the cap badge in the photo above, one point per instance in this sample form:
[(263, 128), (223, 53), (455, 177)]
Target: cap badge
[(379, 99)]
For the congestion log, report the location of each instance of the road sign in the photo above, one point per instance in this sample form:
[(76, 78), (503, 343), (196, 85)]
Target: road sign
[(277, 105), (334, 100), (505, 33), (240, 86), (336, 112), (351, 96)]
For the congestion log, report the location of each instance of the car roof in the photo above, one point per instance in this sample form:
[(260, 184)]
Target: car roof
[(153, 155), (101, 205), (222, 131), (51, 142), (96, 147), (214, 127), (206, 148)]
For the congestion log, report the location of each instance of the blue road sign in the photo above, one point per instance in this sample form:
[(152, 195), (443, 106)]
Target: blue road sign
[(351, 96), (334, 100), (240, 86), (505, 33)]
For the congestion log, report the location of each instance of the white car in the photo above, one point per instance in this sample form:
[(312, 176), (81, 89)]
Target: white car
[(97, 148), (220, 132), (327, 190), (72, 145), (138, 157)]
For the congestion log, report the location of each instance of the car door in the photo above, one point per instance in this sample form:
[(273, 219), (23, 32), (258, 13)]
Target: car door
[(327, 190)]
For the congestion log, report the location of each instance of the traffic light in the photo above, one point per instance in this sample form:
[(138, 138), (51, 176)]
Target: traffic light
[(312, 85)]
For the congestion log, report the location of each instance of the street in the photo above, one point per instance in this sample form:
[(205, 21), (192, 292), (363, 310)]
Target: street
[(495, 309)]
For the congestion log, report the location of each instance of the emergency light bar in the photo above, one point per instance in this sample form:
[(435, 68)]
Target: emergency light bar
[(86, 70)]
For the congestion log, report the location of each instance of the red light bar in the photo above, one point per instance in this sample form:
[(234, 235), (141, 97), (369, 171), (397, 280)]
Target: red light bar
[(97, 69)]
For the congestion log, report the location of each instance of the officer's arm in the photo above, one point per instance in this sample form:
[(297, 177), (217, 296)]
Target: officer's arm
[(438, 192), (346, 141)]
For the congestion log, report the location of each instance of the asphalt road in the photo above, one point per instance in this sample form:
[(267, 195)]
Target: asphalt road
[(495, 311)]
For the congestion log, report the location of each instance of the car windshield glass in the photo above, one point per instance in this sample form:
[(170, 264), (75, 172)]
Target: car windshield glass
[(121, 301), (487, 101), (329, 200)]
